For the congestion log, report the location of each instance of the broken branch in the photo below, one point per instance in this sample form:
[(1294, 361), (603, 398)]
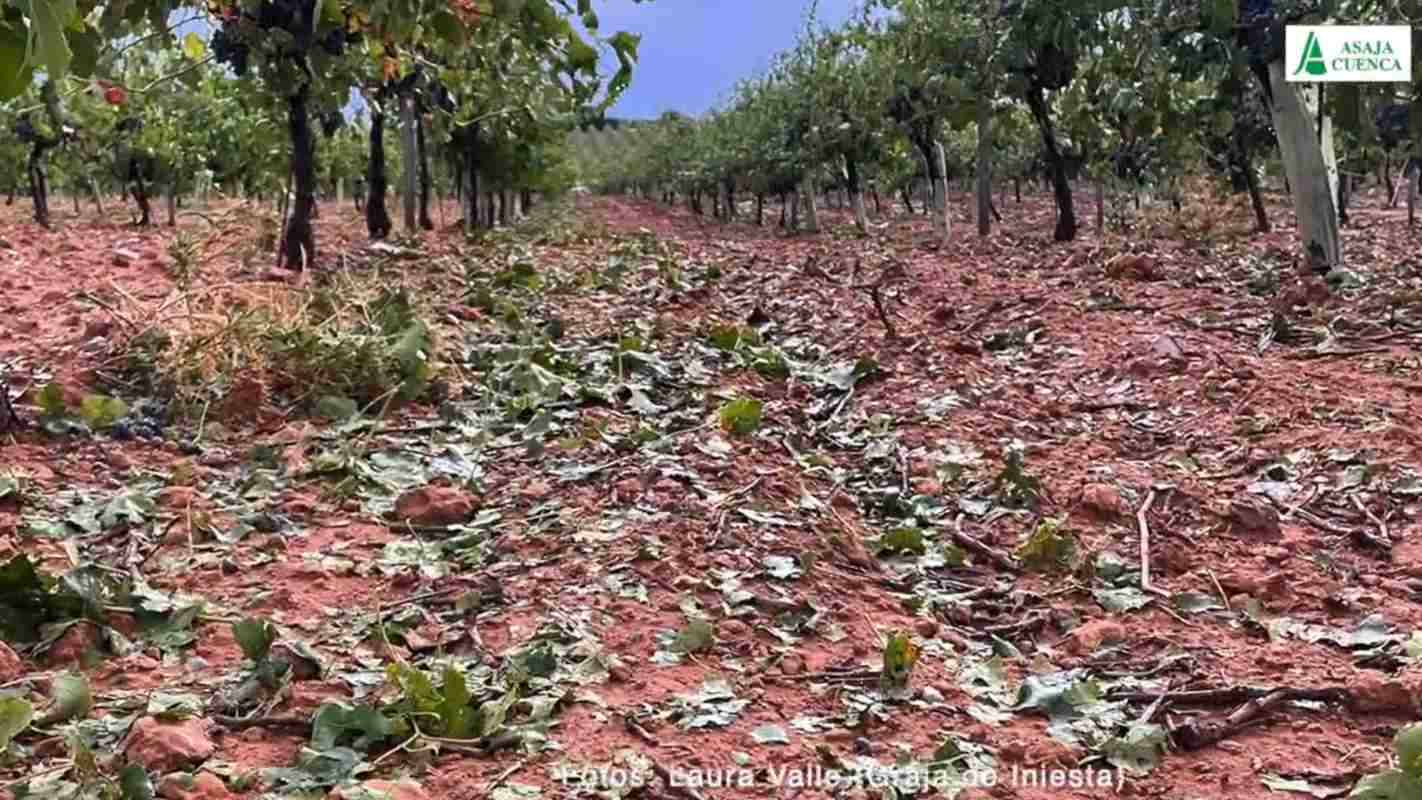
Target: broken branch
[(973, 545)]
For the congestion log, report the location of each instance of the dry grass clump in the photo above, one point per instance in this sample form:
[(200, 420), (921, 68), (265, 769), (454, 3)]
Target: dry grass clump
[(360, 338)]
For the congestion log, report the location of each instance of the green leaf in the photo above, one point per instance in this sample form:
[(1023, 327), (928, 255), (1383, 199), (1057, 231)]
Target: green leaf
[(540, 661), (336, 407), (1050, 547), (447, 27), (1393, 784), (255, 637), (770, 734), (193, 47), (1127, 598), (493, 713), (15, 73), (51, 400), (86, 46), (460, 719), (729, 337), (1408, 744), (1138, 751), (953, 555), (696, 637), (29, 599), (172, 707), (72, 699), (130, 507), (50, 18), (361, 726), (15, 716), (741, 417), (580, 55), (317, 770), (901, 540), (900, 656), (134, 783), (1056, 693)]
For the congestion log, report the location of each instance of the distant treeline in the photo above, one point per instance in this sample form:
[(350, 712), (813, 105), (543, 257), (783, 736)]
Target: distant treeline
[(613, 123)]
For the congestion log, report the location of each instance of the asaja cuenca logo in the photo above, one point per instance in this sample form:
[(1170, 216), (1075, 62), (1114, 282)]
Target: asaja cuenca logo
[(1348, 53)]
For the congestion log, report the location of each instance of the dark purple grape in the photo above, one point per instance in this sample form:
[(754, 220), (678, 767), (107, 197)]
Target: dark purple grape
[(334, 42)]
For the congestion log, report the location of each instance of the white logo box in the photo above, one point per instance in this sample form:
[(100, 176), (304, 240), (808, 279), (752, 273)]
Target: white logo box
[(1348, 53)]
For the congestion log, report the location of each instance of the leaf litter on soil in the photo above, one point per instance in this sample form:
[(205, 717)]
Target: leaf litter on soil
[(621, 492)]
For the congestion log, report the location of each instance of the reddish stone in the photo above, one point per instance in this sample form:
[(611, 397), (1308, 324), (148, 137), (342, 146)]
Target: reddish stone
[(1089, 636), (245, 400), (168, 746), (81, 637), (178, 498), (1375, 692), (202, 786), (436, 505), (98, 328), (11, 667), (1134, 267), (1103, 499)]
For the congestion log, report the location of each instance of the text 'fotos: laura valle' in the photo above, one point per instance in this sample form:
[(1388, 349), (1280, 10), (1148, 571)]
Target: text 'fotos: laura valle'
[(910, 777)]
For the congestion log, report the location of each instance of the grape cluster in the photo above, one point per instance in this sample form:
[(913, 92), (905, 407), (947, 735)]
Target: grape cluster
[(1055, 67), (24, 129), (145, 422), (284, 14), (1132, 162), (331, 121), (229, 49), (443, 98), (1392, 125), (334, 42)]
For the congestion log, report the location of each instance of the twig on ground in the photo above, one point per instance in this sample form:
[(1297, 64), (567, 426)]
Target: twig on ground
[(722, 508), (970, 544), (1311, 355), (1232, 694), (636, 729), (516, 766), (1382, 526), (1145, 547), (1312, 493), (1358, 534), (893, 272), (1029, 623), (1224, 598), (300, 725), (856, 676), (1194, 734)]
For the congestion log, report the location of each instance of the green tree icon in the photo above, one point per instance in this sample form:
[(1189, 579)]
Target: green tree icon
[(1312, 61)]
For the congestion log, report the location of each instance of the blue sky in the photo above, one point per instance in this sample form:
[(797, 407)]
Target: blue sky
[(694, 51)]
